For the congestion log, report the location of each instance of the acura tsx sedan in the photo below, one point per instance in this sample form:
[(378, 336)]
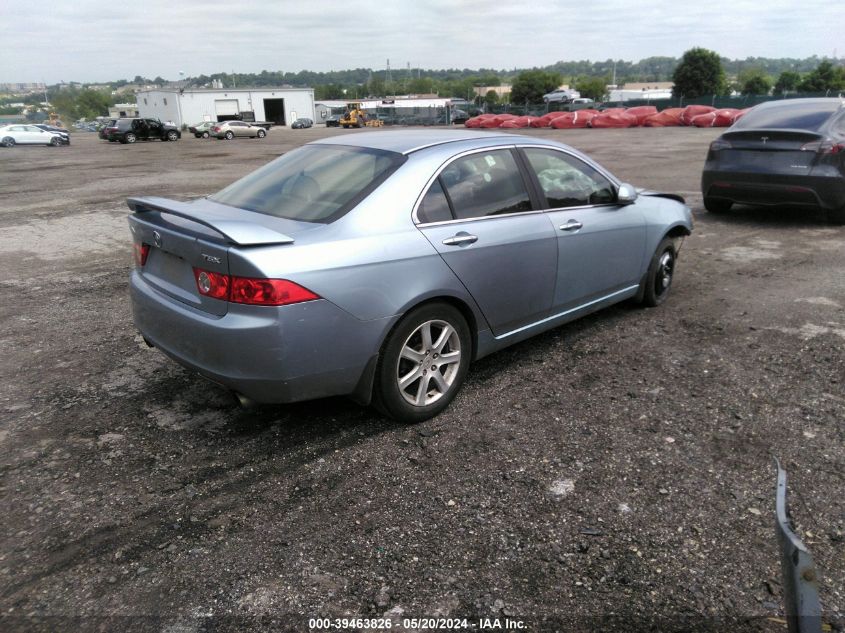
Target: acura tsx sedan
[(380, 265), (789, 152)]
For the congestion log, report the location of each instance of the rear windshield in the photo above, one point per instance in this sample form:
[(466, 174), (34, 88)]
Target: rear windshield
[(313, 183), (796, 116)]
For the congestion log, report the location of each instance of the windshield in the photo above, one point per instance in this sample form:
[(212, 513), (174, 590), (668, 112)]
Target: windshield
[(797, 116), (313, 183)]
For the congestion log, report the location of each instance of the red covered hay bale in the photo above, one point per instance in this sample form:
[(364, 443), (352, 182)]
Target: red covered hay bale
[(608, 119), (692, 111), (641, 112), (670, 117), (571, 120)]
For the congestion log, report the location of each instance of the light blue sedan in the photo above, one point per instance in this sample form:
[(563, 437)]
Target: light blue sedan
[(379, 265)]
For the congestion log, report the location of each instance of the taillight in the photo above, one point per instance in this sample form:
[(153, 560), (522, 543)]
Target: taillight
[(215, 129), (719, 144), (262, 292), (823, 147), (141, 252)]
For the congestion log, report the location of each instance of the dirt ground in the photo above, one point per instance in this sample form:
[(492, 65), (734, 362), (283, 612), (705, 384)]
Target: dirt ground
[(613, 474)]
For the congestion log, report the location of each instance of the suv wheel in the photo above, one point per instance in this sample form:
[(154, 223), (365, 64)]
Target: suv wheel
[(129, 137), (172, 135)]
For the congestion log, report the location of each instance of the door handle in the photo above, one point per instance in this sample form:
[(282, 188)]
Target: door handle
[(458, 240), (572, 225)]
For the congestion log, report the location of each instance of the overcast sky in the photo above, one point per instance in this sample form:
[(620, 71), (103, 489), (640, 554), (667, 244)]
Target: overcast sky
[(90, 41)]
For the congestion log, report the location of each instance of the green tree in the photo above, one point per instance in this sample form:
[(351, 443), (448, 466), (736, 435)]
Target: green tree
[(531, 85), (491, 98), (825, 77), (754, 81), (593, 88), (787, 81), (699, 73)]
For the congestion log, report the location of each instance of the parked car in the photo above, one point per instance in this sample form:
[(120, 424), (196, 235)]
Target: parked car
[(302, 123), (62, 132), (561, 96), (333, 121), (379, 265), (106, 127), (23, 134), (202, 130), (130, 130), (789, 152), (231, 129)]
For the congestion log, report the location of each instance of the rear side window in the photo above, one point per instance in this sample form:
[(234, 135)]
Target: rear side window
[(486, 183), (434, 206), (797, 116), (313, 183)]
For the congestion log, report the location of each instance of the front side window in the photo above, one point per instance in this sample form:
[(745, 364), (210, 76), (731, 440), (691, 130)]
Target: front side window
[(313, 183), (485, 183), (567, 181)]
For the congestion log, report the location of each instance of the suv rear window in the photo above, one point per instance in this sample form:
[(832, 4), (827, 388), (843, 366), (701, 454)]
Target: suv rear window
[(312, 183), (796, 116)]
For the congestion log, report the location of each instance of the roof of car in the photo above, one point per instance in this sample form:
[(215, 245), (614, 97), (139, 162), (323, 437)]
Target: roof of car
[(407, 141), (787, 103)]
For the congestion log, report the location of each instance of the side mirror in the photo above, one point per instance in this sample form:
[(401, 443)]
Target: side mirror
[(626, 194)]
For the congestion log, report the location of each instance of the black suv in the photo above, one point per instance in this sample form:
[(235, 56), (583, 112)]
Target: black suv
[(131, 130)]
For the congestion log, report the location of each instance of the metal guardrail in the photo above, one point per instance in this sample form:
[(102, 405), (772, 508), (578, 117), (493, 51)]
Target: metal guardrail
[(799, 575)]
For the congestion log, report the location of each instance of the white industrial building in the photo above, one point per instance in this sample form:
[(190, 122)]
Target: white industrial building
[(281, 106)]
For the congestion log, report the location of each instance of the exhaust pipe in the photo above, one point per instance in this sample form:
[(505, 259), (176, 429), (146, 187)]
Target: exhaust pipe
[(246, 403)]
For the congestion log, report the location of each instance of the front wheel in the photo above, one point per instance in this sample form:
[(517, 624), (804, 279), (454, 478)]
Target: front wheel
[(717, 205), (660, 273), (172, 135), (8, 141), (423, 363), (130, 138), (205, 135), (230, 135), (261, 133)]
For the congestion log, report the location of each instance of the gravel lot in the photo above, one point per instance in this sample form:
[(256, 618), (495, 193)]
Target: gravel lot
[(615, 473)]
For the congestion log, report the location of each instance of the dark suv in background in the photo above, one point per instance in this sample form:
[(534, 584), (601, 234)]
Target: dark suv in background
[(137, 129)]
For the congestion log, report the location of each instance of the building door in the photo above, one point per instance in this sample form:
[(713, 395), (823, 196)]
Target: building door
[(226, 109), (274, 111)]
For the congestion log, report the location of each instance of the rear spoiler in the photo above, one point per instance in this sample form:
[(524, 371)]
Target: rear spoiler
[(234, 231)]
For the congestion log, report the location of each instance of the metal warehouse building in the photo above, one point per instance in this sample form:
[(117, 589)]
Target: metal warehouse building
[(281, 106)]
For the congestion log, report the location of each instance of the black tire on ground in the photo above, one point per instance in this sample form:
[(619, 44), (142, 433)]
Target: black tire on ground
[(229, 135), (55, 142), (129, 138), (171, 135), (261, 133), (197, 135), (8, 141), (836, 216), (205, 135), (660, 273), (423, 363), (717, 205)]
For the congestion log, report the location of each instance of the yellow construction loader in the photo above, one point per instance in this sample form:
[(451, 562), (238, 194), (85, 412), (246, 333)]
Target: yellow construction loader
[(356, 117)]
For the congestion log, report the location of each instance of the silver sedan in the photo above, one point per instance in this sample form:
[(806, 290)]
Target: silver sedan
[(380, 265)]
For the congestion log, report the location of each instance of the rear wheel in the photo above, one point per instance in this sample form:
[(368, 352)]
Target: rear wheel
[(661, 271), (229, 135), (205, 134), (423, 363), (717, 205), (261, 133), (172, 135), (8, 141), (130, 138)]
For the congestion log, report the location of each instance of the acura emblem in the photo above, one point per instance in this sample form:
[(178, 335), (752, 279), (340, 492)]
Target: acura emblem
[(764, 139), (157, 239)]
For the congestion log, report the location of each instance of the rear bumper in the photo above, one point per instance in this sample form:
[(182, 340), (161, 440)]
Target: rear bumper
[(269, 354), (825, 192)]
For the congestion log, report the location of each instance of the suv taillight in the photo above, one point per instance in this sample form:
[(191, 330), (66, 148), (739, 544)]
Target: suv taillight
[(252, 291)]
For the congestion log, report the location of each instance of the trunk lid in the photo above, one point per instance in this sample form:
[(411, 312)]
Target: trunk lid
[(182, 236), (769, 151)]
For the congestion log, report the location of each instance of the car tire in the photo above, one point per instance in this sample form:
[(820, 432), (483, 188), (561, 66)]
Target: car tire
[(261, 133), (660, 273), (406, 387), (8, 142), (230, 135), (55, 142), (129, 138), (197, 135), (172, 136), (205, 135), (836, 216), (717, 205)]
